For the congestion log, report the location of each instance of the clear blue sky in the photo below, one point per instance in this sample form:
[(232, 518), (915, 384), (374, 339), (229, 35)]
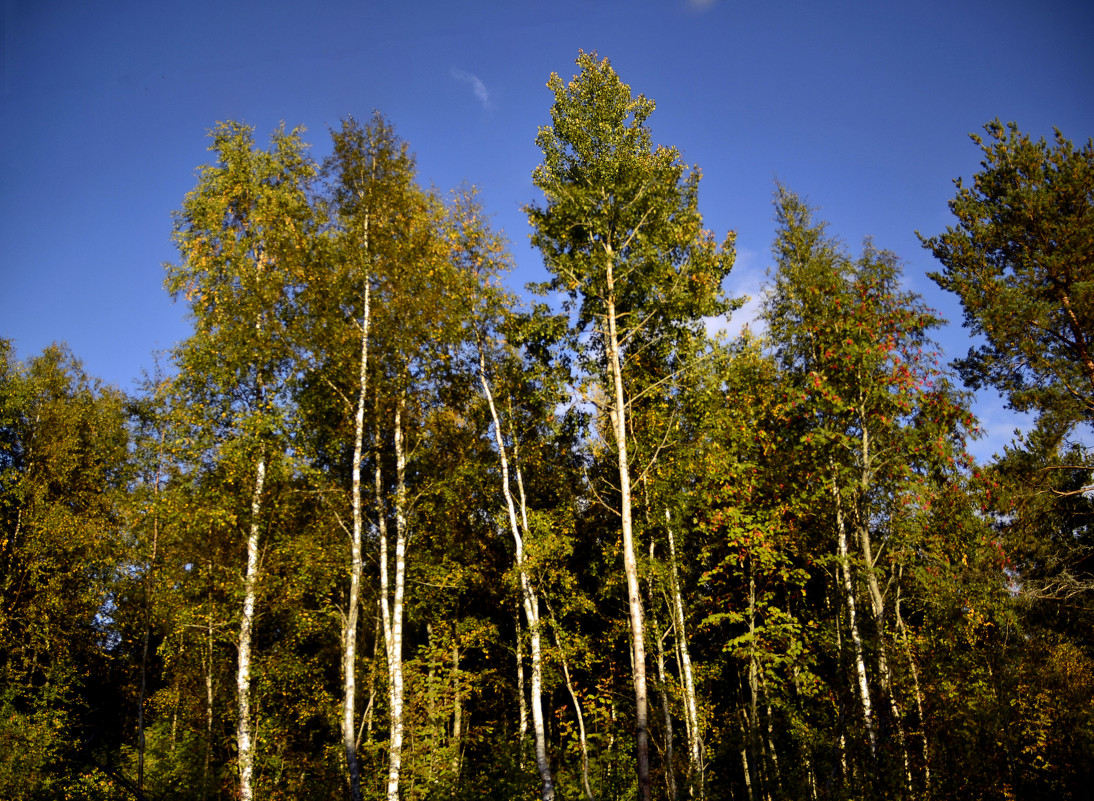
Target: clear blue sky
[(864, 107)]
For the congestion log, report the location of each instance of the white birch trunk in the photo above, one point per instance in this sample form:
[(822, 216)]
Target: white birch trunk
[(918, 692), (696, 785), (349, 637), (666, 713), (244, 733), (744, 754), (208, 708), (366, 721), (582, 738), (662, 679), (528, 594), (877, 605), (520, 690), (630, 562), (753, 685), (856, 638), (772, 752), (395, 640)]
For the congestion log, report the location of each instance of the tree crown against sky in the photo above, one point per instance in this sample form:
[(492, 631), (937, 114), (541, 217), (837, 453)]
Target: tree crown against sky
[(1020, 259), (803, 491)]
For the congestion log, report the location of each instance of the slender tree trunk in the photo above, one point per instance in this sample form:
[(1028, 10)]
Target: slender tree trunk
[(457, 705), (149, 587), (841, 743), (745, 737), (208, 696), (811, 775), (582, 738), (696, 784), (520, 688), (385, 598), (349, 637), (143, 689), (771, 749), (662, 673), (630, 562), (435, 737), (877, 603), (543, 762), (918, 692), (856, 638), (877, 607), (381, 527), (754, 745), (366, 720), (395, 631), (528, 593), (244, 731), (666, 714)]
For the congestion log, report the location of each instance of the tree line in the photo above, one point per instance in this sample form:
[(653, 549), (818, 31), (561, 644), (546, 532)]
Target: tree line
[(382, 529)]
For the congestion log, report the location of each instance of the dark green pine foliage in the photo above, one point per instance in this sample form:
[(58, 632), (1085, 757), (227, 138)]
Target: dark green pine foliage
[(1019, 258)]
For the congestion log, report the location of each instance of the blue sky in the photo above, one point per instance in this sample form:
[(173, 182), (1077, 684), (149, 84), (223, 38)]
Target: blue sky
[(863, 107)]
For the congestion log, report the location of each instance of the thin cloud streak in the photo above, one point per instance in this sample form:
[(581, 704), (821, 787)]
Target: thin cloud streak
[(747, 279), (477, 86)]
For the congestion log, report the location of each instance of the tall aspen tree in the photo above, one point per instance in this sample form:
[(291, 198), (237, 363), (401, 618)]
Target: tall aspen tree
[(621, 234)]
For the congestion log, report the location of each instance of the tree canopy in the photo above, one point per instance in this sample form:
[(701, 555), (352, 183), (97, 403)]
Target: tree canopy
[(382, 529)]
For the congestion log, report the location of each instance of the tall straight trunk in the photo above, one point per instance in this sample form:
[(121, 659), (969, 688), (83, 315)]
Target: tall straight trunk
[(841, 742), (753, 685), (393, 630), (528, 593), (385, 577), (144, 673), (877, 605), (662, 681), (366, 721), (583, 741), (434, 727), (852, 619), (244, 733), (520, 688), (696, 786), (457, 705), (744, 727), (771, 749), (666, 715), (208, 709), (630, 562), (349, 635), (811, 775), (915, 684), (149, 586)]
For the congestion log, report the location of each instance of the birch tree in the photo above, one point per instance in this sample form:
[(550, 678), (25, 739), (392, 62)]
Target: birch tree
[(244, 234), (417, 308), (878, 415), (621, 234), (369, 187)]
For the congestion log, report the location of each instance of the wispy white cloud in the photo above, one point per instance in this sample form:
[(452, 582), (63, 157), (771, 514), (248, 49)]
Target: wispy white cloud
[(746, 279), (477, 86)]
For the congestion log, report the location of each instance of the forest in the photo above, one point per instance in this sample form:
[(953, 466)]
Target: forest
[(380, 528)]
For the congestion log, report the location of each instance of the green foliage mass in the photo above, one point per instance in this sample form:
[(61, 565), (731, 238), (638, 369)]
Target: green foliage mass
[(839, 602)]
